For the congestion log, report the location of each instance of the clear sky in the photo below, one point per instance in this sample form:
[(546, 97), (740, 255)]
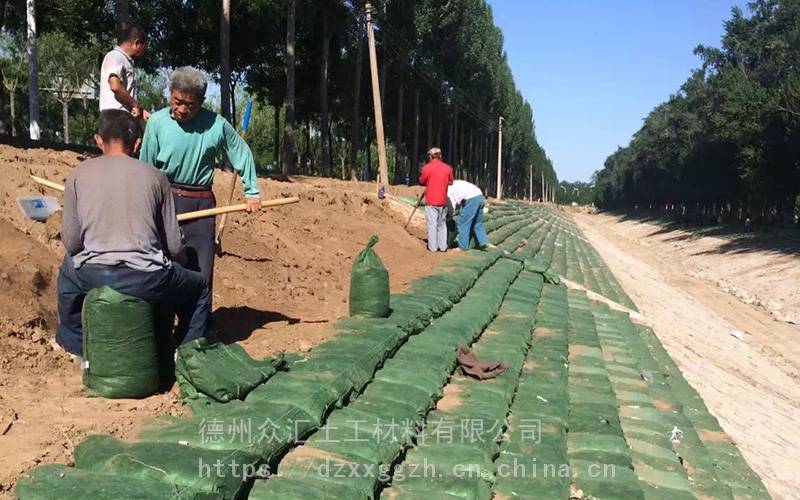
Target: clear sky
[(593, 69)]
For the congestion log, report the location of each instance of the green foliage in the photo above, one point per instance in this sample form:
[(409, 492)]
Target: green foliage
[(152, 88), (581, 193), (448, 54), (730, 134)]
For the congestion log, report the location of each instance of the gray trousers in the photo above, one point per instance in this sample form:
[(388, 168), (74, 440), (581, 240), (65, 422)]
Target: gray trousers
[(436, 218)]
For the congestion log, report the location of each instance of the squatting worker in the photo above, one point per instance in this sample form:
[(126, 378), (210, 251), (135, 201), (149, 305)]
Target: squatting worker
[(468, 198), (184, 141), (119, 229), (117, 74), (436, 176)]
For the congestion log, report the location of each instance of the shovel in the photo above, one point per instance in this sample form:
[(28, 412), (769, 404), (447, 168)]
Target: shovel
[(419, 200)]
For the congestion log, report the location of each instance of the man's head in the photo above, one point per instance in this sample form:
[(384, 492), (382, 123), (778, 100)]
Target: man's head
[(187, 91), (117, 132), (133, 41), (434, 153)]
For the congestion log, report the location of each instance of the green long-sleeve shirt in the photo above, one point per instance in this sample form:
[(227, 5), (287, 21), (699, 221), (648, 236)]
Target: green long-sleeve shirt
[(187, 152)]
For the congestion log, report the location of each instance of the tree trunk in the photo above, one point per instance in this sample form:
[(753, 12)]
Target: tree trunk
[(122, 15), (276, 145), (355, 122), (439, 123), (413, 167), (324, 128), (225, 59), (65, 119), (449, 153), (306, 166), (470, 155), (454, 154), (398, 171), (3, 13), (430, 128), (33, 73), (12, 101), (288, 141), (461, 165)]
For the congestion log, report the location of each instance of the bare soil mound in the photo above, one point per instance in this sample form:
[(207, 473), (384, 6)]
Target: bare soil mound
[(281, 283)]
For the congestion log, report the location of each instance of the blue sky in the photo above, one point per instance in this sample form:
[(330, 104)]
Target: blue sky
[(592, 70)]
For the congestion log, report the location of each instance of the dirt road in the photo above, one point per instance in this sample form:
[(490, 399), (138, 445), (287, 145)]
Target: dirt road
[(743, 362)]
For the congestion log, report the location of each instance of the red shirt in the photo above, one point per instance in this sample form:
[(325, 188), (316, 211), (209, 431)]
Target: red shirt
[(436, 176)]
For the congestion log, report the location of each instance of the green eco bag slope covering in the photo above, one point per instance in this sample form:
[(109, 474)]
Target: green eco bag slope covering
[(119, 346), (219, 371), (369, 284), (179, 465), (66, 483)]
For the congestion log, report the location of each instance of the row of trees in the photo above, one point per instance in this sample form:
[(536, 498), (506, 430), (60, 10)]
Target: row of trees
[(729, 140), (578, 192), (444, 79)]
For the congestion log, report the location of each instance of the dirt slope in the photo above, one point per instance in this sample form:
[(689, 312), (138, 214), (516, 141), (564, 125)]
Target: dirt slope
[(282, 282), (743, 362)]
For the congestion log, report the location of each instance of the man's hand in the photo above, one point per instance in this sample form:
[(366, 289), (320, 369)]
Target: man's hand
[(253, 204), (136, 111)]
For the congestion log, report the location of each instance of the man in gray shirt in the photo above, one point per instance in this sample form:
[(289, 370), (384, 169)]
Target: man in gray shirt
[(119, 229)]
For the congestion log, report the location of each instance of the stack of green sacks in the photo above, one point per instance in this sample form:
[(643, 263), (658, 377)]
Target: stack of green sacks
[(462, 436), (372, 431), (537, 425)]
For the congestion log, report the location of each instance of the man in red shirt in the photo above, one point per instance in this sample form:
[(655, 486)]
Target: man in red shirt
[(436, 177)]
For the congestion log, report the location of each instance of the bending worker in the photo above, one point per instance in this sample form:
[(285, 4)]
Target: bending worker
[(436, 176), (468, 198), (184, 141), (119, 230)]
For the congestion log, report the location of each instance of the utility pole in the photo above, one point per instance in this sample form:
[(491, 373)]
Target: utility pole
[(500, 159), (33, 72), (376, 101), (530, 181)]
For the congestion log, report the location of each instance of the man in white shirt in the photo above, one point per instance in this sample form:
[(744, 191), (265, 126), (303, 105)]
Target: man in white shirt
[(117, 77), (469, 199)]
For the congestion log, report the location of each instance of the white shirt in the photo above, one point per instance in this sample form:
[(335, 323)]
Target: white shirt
[(459, 191), (116, 62)]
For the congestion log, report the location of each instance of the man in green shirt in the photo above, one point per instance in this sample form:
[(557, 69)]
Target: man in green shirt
[(184, 141)]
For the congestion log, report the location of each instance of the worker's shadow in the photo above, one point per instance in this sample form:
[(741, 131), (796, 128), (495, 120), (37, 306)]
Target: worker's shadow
[(233, 324)]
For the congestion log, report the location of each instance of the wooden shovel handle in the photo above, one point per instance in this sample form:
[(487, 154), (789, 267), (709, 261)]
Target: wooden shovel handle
[(211, 212)]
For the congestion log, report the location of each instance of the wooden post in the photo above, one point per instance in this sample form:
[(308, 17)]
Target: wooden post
[(376, 100), (500, 159)]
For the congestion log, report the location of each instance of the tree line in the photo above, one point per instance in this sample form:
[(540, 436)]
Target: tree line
[(443, 76), (728, 142)]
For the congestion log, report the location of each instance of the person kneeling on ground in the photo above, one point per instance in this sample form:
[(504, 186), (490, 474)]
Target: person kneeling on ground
[(468, 198), (436, 176), (120, 230)]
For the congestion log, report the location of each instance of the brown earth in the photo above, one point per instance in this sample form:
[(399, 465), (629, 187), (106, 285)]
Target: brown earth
[(743, 358), (281, 284)]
